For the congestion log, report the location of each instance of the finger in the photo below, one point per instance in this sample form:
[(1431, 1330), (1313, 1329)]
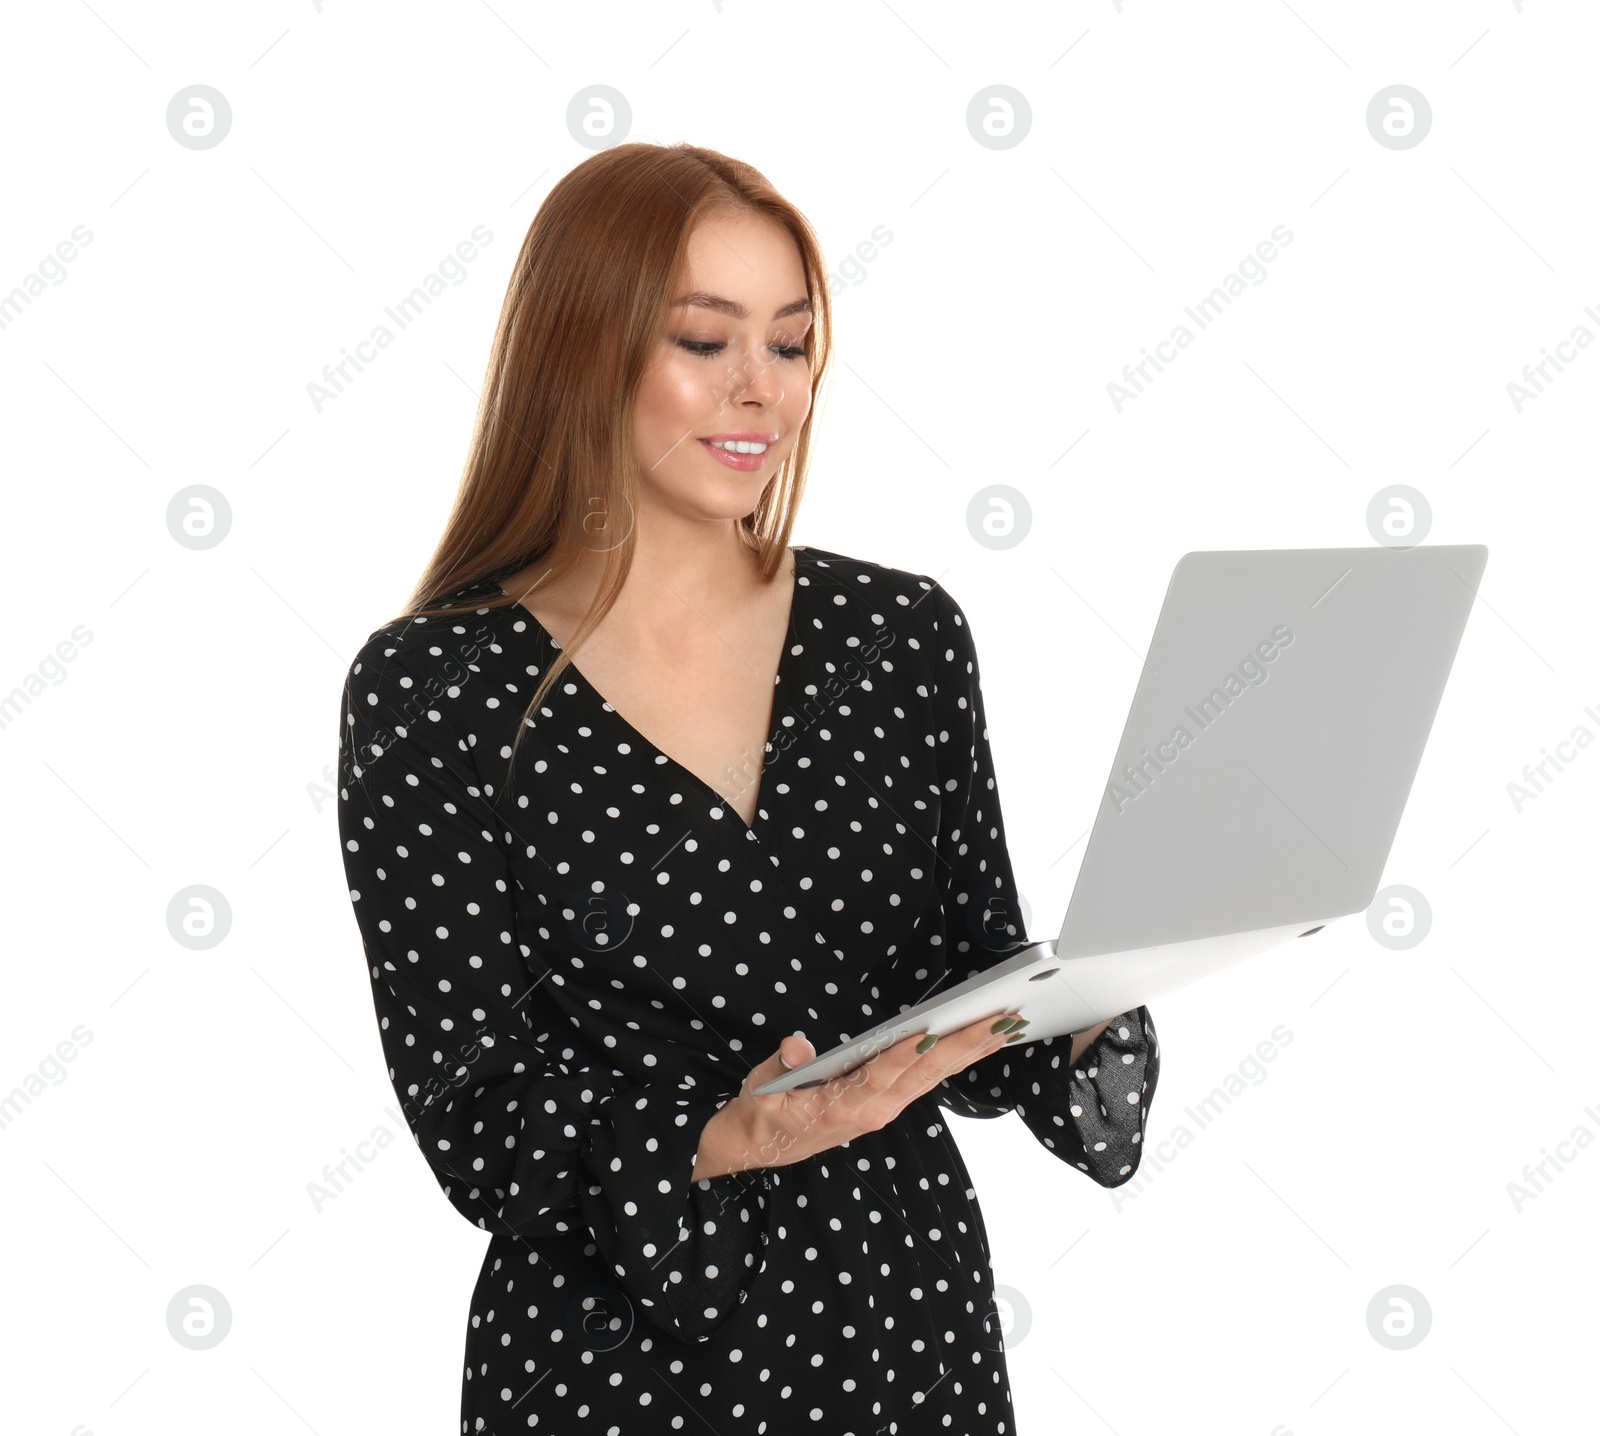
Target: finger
[(794, 1051), (884, 1068), (917, 1073), (880, 1089), (799, 1051), (948, 1055), (955, 1046), (979, 1038)]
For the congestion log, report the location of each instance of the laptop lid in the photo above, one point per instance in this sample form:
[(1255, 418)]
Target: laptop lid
[(1274, 735)]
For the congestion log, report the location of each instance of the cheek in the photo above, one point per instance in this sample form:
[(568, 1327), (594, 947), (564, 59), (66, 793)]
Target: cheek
[(676, 395), (796, 403)]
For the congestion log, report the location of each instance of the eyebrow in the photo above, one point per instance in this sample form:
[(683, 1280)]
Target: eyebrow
[(734, 309)]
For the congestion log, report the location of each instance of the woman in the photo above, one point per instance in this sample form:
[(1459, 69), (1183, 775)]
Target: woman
[(764, 802)]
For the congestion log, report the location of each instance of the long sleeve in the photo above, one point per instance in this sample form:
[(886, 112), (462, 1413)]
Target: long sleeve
[(525, 1125), (1092, 1116)]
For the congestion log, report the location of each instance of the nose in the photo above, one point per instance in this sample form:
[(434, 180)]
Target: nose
[(754, 378)]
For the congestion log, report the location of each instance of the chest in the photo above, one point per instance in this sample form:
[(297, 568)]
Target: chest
[(711, 716), (633, 878)]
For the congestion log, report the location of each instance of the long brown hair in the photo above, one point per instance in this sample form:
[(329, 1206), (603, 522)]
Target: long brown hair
[(550, 471)]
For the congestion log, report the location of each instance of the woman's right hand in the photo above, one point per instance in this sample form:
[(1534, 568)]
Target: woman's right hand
[(747, 1131)]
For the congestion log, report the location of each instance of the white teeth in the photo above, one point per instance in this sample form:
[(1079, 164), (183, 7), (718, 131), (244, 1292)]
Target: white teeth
[(737, 446)]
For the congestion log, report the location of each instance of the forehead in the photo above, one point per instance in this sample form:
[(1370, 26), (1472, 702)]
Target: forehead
[(746, 259)]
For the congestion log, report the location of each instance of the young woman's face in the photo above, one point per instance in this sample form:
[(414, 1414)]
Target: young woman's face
[(731, 368)]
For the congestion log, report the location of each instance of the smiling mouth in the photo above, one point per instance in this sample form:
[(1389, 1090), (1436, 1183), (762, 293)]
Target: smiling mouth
[(745, 455), (739, 446)]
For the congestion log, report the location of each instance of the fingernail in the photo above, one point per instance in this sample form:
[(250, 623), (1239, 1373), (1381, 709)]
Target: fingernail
[(786, 1067), (1015, 1036), (1000, 1025), (1012, 1024), (926, 1045), (1023, 1021)]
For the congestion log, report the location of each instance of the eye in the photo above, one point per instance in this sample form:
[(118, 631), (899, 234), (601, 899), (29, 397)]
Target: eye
[(705, 348)]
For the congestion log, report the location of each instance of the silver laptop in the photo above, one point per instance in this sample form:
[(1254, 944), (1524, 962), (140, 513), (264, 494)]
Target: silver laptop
[(1274, 735)]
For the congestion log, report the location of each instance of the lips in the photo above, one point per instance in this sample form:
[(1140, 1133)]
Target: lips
[(745, 463)]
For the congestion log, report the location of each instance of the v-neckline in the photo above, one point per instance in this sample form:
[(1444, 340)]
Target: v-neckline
[(661, 753)]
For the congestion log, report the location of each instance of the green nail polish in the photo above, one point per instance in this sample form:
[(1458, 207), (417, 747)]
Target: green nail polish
[(1000, 1024), (1014, 1036), (926, 1045)]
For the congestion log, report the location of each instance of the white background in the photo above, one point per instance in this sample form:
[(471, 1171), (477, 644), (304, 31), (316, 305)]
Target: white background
[(1226, 1291)]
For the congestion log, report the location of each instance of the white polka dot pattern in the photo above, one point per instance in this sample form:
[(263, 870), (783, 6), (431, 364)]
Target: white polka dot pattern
[(575, 967)]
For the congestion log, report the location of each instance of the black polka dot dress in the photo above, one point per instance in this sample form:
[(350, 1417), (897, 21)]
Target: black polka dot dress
[(574, 967)]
